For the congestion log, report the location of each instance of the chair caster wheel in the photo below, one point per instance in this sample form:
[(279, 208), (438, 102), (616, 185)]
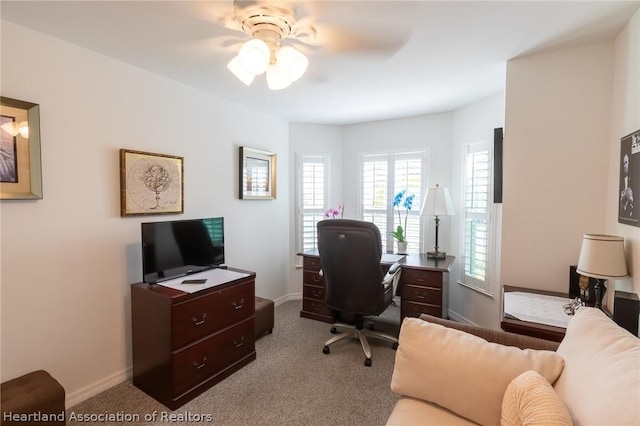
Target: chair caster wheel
[(325, 350), (395, 346), (334, 330), (367, 362)]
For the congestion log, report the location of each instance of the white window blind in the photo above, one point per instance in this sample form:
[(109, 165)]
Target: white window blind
[(312, 196), (477, 209), (383, 176)]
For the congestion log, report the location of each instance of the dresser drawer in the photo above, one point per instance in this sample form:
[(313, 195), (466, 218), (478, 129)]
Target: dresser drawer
[(419, 277), (315, 306), (199, 317), (311, 277), (415, 293), (413, 309), (311, 263), (313, 292), (197, 363)]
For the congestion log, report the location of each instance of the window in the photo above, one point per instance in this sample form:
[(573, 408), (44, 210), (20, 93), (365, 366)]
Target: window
[(477, 215), (312, 196), (383, 176)]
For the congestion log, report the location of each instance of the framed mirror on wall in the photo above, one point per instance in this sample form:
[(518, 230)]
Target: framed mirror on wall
[(20, 158)]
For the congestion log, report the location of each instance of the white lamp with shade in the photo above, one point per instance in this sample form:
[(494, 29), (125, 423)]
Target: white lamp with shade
[(602, 258), (437, 203)]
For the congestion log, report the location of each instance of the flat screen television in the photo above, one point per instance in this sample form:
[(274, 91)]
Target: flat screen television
[(177, 248)]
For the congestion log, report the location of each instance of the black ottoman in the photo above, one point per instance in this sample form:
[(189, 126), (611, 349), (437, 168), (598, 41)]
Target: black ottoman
[(264, 316), (33, 399)]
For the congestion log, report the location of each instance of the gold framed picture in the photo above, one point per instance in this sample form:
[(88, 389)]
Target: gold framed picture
[(150, 183), (20, 161), (257, 174)]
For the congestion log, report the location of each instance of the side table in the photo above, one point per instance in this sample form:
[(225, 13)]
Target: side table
[(535, 313)]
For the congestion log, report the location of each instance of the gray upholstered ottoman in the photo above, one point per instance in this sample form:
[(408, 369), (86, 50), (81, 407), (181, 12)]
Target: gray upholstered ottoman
[(264, 316), (33, 399)]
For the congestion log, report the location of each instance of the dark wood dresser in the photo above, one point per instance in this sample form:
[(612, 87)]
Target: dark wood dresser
[(423, 287), (184, 343)]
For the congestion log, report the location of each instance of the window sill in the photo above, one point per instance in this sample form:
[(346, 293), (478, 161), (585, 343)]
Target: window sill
[(478, 289)]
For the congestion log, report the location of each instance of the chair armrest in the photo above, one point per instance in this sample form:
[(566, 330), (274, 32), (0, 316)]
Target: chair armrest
[(496, 336), (392, 277)]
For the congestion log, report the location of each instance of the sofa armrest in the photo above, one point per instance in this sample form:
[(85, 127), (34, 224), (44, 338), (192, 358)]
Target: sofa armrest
[(496, 336)]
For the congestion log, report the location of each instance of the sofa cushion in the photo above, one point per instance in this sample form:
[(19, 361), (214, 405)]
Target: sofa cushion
[(530, 400), (411, 411), (462, 372), (600, 383)]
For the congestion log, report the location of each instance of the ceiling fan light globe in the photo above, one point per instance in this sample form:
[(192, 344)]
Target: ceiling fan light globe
[(254, 56), (239, 71), (292, 62), (277, 79)]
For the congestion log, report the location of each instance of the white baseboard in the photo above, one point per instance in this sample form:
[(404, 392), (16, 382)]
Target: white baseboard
[(459, 318), (97, 387), (288, 297)]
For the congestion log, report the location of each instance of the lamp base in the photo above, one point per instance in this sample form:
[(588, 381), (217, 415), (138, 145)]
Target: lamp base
[(436, 254)]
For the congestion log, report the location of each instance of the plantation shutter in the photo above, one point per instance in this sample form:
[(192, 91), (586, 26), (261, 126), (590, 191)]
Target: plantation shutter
[(312, 198), (477, 214), (383, 176), (375, 192)]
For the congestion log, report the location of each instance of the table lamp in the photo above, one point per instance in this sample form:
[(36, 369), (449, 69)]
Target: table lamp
[(602, 258), (437, 203)]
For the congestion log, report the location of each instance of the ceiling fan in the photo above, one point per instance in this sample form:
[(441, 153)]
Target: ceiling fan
[(268, 24)]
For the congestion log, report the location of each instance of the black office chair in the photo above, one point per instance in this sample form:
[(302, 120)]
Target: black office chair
[(355, 285)]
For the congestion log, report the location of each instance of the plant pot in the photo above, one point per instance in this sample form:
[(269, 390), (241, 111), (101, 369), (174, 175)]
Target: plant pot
[(402, 247)]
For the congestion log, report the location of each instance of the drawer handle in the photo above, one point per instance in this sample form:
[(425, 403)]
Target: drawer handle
[(419, 296), (201, 365), (238, 306), (199, 322), (316, 293), (240, 343)]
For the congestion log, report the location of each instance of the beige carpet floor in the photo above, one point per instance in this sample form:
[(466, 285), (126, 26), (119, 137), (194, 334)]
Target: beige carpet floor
[(291, 383)]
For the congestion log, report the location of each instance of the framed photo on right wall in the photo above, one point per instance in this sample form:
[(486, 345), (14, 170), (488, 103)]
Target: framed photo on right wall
[(629, 198)]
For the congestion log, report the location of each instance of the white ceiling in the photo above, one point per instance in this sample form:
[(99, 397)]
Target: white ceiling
[(376, 59)]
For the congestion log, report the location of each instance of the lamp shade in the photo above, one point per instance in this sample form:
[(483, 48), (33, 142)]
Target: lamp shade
[(602, 256), (276, 78), (437, 203)]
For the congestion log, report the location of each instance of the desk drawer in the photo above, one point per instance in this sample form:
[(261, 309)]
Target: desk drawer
[(199, 317), (199, 362), (414, 309), (419, 277), (311, 263), (313, 292), (315, 306), (312, 277), (415, 293)]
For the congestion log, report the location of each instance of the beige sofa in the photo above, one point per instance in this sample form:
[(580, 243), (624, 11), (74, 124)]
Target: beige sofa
[(447, 375)]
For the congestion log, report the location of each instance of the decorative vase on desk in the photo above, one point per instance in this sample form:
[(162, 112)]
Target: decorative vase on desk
[(402, 247)]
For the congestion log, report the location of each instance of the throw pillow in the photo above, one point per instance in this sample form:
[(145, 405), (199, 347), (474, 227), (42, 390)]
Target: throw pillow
[(462, 372), (531, 401)]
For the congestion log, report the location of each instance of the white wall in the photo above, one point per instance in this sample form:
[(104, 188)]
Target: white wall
[(625, 119), (473, 124), (557, 131), (68, 260)]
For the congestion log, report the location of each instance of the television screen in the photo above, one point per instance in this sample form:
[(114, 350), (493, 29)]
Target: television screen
[(177, 248)]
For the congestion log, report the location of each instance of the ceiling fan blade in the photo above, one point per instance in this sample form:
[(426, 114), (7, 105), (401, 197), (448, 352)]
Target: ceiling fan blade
[(377, 40)]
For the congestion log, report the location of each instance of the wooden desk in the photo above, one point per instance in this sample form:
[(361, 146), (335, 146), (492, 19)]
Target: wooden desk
[(423, 287), (532, 328)]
